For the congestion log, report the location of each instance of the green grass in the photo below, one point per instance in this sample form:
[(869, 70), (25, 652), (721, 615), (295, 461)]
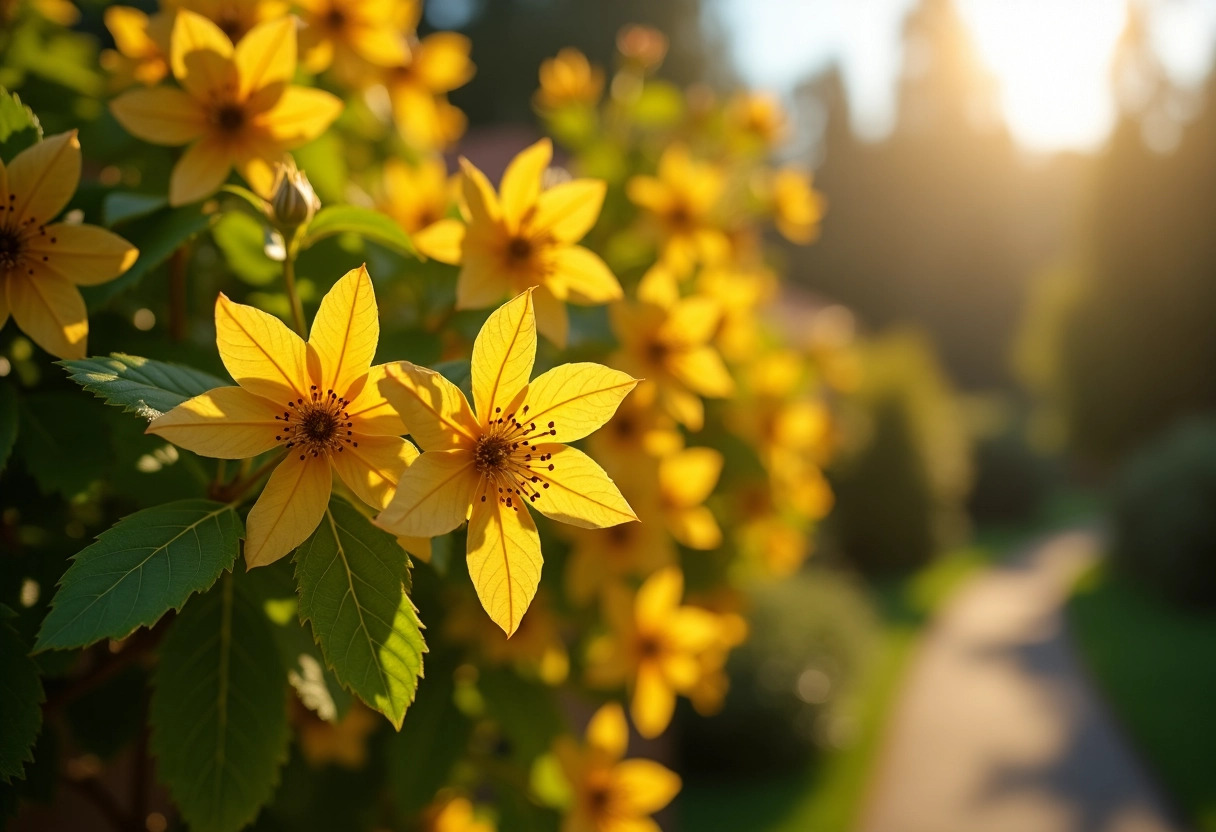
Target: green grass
[(1156, 665)]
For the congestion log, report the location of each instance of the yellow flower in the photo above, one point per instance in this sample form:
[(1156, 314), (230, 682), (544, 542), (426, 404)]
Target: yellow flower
[(41, 262), (455, 815), (523, 237), (757, 120), (686, 479), (416, 196), (236, 107), (418, 87), (488, 467), (141, 53), (568, 80), (665, 338), (354, 36), (773, 539), (320, 402), (682, 201), (612, 794), (655, 646), (739, 292), (600, 558), (236, 18), (797, 206), (641, 431)]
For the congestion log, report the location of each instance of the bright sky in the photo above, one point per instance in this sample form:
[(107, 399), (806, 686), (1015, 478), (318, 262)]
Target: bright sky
[(1051, 57)]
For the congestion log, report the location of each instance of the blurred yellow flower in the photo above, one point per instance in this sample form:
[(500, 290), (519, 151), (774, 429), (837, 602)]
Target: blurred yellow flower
[(525, 236), (568, 80), (612, 794), (797, 206), (757, 121), (739, 291), (455, 815), (416, 196), (236, 18), (354, 37), (42, 263), (640, 431), (488, 467), (141, 41), (686, 479), (600, 558), (682, 202), (236, 106), (342, 743), (418, 87), (642, 46), (320, 402), (655, 647)]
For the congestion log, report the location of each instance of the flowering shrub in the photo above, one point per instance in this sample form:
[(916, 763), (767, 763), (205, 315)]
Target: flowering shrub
[(322, 368)]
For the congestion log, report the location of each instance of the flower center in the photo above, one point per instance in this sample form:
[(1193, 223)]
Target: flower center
[(231, 26), (657, 351), (317, 425), (507, 458), (11, 248), (597, 799), (649, 647), (335, 19), (519, 250), (679, 216), (230, 118)]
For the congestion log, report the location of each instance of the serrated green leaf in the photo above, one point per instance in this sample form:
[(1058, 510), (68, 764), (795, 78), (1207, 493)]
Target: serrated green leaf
[(365, 222), (8, 422), (218, 712), (21, 698), (351, 575), (144, 566), (57, 452), (140, 385), (19, 127)]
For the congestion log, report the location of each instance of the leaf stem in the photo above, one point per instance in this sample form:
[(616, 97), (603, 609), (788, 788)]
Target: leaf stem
[(289, 282)]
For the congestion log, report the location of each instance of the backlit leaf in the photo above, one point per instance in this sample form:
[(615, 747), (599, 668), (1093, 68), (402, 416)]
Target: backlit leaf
[(365, 222), (140, 385), (19, 127)]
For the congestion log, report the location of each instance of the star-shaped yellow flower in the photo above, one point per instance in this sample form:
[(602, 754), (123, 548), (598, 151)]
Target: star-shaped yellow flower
[(416, 196), (567, 80), (319, 402), (354, 36), (612, 794), (682, 201), (237, 106), (797, 206), (236, 18), (525, 236), (41, 262), (141, 41), (418, 89), (488, 466)]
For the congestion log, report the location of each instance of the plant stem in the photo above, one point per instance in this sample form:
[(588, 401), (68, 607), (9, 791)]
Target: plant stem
[(289, 281)]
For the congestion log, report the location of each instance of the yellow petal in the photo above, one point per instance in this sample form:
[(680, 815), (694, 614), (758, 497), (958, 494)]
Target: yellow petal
[(441, 61), (441, 240), (551, 318), (653, 701), (695, 528), (257, 157), (479, 196), (50, 311), (577, 398), (643, 787), (480, 282), (659, 287), (688, 477), (503, 354), (521, 181), (162, 115), (702, 370), (344, 333), (649, 193), (227, 423), (569, 210), (300, 115), (683, 406), (43, 178), (263, 355), (504, 557), (693, 630), (372, 465), (200, 171), (266, 60), (574, 489), (378, 44), (691, 321), (289, 509), (129, 28), (587, 278), (433, 495), (435, 410), (201, 56), (658, 598), (608, 732), (371, 411), (84, 254)]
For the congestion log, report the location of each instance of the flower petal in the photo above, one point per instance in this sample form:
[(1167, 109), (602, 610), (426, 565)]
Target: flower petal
[(569, 210), (586, 278), (50, 310), (433, 495), (574, 489), (691, 321), (200, 171), (658, 598), (480, 282), (300, 115), (643, 787), (695, 527), (608, 732), (227, 423), (521, 181), (289, 509), (84, 254), (504, 557), (686, 478), (371, 412), (653, 701), (266, 61), (43, 178), (441, 240), (551, 318), (263, 355), (129, 28), (441, 61), (435, 410), (161, 115), (503, 354), (577, 398), (344, 333), (372, 466), (702, 370), (478, 194), (200, 55)]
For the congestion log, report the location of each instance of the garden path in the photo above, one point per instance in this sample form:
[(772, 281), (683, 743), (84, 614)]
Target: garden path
[(998, 729)]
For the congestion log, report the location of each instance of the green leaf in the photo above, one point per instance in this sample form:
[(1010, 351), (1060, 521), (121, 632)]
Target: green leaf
[(121, 206), (157, 236), (219, 711), (146, 565), (21, 700), (61, 456), (140, 385), (8, 422), (366, 222), (351, 577), (19, 127), (242, 239)]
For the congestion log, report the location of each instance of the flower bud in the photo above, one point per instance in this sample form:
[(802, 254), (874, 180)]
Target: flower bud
[(294, 202)]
